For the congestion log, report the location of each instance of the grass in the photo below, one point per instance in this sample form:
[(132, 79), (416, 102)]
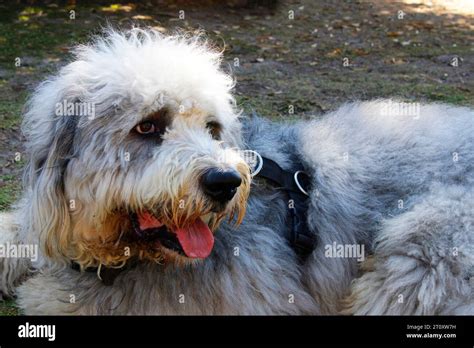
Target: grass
[(10, 189), (11, 106), (447, 94), (29, 32), (8, 308)]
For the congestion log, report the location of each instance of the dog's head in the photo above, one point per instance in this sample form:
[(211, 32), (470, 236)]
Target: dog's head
[(132, 150)]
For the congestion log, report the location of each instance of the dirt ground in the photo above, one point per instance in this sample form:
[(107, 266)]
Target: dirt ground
[(307, 56)]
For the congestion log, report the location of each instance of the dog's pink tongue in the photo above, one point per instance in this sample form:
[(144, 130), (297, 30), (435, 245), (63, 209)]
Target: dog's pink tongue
[(196, 240)]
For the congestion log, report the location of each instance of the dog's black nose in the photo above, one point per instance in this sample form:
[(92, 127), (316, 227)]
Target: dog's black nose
[(221, 185)]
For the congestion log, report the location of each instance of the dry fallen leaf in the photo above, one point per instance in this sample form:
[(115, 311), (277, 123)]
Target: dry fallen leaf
[(360, 52), (334, 53), (423, 25), (394, 33), (142, 17)]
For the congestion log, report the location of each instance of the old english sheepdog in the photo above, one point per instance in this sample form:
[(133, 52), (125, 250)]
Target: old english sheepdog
[(147, 192)]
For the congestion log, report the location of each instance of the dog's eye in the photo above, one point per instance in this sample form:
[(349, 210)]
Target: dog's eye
[(146, 127), (215, 129)]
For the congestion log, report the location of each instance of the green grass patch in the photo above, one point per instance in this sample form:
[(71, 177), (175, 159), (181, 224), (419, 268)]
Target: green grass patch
[(11, 106), (28, 31), (9, 308), (448, 97), (10, 189), (10, 114)]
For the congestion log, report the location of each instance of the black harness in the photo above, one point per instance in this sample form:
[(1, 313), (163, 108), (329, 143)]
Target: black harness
[(295, 184)]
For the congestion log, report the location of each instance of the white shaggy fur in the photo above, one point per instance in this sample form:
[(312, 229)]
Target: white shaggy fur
[(363, 163)]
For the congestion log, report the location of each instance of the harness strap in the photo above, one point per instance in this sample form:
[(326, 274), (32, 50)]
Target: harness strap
[(296, 185)]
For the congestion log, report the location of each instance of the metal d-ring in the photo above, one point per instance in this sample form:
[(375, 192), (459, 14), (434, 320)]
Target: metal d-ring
[(260, 162), (298, 183)]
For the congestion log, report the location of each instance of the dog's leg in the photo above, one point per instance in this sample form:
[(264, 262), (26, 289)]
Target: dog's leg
[(423, 261), (12, 269)]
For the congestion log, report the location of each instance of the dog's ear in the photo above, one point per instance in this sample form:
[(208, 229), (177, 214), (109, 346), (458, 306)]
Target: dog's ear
[(50, 145)]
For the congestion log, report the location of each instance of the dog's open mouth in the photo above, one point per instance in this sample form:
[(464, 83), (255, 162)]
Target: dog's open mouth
[(194, 241)]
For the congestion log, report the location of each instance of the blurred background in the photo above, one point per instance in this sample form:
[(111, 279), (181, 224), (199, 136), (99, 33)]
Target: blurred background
[(291, 58)]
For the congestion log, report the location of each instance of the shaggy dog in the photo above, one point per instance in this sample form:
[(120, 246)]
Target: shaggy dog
[(137, 186)]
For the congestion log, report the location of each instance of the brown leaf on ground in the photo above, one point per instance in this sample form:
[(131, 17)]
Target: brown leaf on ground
[(360, 52), (394, 33), (334, 53), (423, 24)]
